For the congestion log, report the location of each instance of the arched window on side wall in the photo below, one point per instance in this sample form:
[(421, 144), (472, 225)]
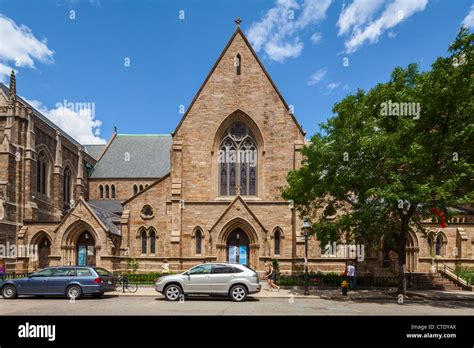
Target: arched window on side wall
[(152, 242), (42, 177), (113, 191), (198, 240), (143, 240), (67, 185), (141, 188), (107, 191), (277, 242), (101, 192), (135, 189), (438, 245)]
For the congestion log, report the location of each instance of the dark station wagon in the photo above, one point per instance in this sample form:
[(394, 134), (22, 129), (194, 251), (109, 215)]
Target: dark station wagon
[(70, 281)]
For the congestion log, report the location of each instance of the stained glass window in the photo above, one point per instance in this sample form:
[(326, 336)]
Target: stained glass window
[(152, 242), (277, 241), (143, 237), (198, 238), (42, 173), (67, 185), (238, 162)]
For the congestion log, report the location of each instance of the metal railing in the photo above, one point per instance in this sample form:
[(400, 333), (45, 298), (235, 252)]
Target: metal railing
[(454, 275)]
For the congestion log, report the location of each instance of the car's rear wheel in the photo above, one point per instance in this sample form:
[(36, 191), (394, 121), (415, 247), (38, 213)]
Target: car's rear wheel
[(74, 292), (238, 293), (9, 292), (173, 292)]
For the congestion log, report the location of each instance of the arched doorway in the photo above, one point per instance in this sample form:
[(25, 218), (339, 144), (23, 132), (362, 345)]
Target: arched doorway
[(85, 250), (44, 250), (238, 247)]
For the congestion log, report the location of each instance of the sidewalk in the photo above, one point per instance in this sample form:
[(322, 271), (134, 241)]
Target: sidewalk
[(334, 294)]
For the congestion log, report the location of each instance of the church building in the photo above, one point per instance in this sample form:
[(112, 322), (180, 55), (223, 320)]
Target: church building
[(209, 191)]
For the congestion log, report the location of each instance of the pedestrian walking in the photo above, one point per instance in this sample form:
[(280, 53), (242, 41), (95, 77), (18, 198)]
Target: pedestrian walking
[(351, 273), (271, 277)]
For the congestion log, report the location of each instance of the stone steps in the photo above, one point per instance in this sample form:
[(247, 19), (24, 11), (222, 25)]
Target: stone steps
[(434, 282)]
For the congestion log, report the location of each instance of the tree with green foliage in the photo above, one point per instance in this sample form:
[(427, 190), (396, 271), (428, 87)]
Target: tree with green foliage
[(390, 157)]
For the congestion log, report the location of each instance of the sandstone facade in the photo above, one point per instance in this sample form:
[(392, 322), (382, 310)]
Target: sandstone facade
[(190, 207)]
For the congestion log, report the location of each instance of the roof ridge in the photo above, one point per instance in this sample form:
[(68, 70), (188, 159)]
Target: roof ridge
[(144, 135)]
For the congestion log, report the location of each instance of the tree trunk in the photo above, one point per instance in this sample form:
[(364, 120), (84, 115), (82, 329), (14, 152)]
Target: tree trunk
[(402, 256)]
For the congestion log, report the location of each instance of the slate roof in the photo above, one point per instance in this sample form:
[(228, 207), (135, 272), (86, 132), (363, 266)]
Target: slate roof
[(38, 114), (108, 219), (111, 205), (94, 150), (148, 157)]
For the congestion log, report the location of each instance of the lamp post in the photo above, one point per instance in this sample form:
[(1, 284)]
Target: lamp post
[(306, 228)]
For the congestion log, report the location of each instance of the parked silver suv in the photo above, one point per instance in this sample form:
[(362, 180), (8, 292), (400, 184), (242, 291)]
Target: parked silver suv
[(233, 280)]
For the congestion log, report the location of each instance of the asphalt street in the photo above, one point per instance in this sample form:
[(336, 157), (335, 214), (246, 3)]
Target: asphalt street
[(122, 305)]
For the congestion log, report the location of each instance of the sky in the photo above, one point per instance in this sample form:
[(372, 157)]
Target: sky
[(92, 65)]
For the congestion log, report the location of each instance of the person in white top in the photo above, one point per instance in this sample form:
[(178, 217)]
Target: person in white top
[(351, 272), (165, 268)]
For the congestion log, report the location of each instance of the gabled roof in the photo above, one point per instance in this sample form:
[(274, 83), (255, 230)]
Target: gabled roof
[(106, 219), (135, 156), (239, 31), (94, 150), (111, 205), (38, 114)]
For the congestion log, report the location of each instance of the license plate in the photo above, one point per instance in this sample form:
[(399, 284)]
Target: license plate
[(110, 282)]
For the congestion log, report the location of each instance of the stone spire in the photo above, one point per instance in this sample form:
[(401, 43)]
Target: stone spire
[(12, 85)]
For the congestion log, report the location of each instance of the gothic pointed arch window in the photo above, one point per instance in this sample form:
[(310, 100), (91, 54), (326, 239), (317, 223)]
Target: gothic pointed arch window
[(238, 64), (152, 241), (277, 242), (42, 173), (112, 191), (107, 191), (238, 161), (198, 241), (67, 183), (143, 238), (135, 189), (101, 191)]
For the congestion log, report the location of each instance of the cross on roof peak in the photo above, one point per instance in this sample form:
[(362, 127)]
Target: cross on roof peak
[(238, 21)]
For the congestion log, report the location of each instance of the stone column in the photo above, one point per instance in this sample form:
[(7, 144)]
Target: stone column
[(30, 166), (58, 176)]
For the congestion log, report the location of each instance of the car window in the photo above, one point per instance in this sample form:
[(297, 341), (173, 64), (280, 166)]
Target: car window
[(43, 273), (83, 272), (222, 269), (64, 272), (102, 272), (202, 269)]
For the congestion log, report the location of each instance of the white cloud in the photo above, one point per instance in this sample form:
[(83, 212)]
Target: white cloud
[(317, 77), (391, 35), (316, 38), (5, 70), (357, 13), (331, 87), (81, 124), (18, 44), (277, 33), (357, 22), (468, 22)]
